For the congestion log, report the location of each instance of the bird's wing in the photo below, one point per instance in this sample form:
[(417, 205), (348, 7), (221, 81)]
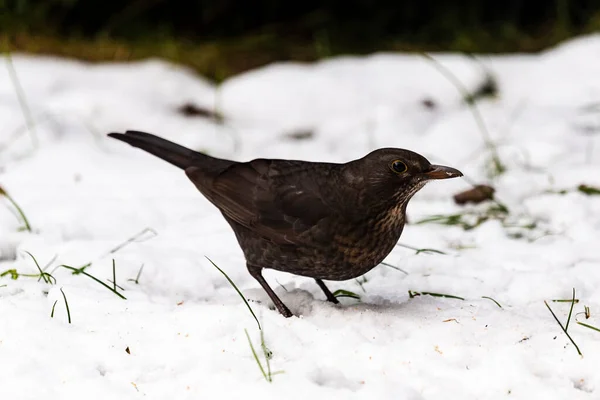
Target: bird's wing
[(272, 198)]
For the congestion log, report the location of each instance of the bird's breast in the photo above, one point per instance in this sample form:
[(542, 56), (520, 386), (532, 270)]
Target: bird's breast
[(366, 244)]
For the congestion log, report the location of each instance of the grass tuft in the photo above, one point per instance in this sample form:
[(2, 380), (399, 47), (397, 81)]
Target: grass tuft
[(517, 227), (14, 274), (267, 374), (564, 329), (268, 354), (469, 219), (81, 270), (43, 275), (237, 290)]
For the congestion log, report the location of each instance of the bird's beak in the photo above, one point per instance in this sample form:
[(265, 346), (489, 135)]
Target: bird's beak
[(442, 172)]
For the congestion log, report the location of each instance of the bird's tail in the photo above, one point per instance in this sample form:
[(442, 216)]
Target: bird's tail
[(173, 153)]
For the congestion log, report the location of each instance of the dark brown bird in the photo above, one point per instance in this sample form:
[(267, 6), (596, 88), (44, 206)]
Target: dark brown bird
[(321, 220)]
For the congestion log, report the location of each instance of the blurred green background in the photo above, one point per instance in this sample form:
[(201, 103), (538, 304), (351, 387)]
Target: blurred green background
[(225, 37)]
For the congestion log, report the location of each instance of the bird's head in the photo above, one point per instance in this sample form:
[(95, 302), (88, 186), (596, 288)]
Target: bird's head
[(395, 175)]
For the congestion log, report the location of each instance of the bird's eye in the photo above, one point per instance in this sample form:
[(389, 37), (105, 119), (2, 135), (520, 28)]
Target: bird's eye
[(398, 166)]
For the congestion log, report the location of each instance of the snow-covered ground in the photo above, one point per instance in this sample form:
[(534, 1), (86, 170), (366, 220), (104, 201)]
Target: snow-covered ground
[(183, 324)]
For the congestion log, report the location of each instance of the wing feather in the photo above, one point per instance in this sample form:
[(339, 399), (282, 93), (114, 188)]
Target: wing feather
[(271, 198)]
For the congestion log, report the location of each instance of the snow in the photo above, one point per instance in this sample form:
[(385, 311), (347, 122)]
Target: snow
[(183, 323)]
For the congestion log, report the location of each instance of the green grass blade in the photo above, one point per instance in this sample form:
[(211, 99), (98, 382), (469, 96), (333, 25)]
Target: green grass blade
[(394, 267), (137, 278), (589, 190), (262, 370), (43, 275), (430, 251), (570, 311), (237, 290), (114, 276), (14, 275), (77, 271), (489, 298), (563, 328), (345, 293), (267, 353), (53, 306), (412, 294), (66, 305), (589, 326), (18, 208)]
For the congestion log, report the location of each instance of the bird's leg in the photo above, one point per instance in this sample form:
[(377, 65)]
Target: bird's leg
[(328, 294), (257, 274)]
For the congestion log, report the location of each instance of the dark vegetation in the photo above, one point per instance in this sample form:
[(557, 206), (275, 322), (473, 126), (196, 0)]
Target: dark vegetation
[(221, 38)]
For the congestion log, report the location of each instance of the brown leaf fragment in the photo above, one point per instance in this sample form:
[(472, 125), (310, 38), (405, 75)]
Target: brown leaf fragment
[(476, 195)]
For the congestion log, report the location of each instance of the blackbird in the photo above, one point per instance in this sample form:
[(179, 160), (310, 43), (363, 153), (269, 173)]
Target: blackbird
[(321, 220)]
